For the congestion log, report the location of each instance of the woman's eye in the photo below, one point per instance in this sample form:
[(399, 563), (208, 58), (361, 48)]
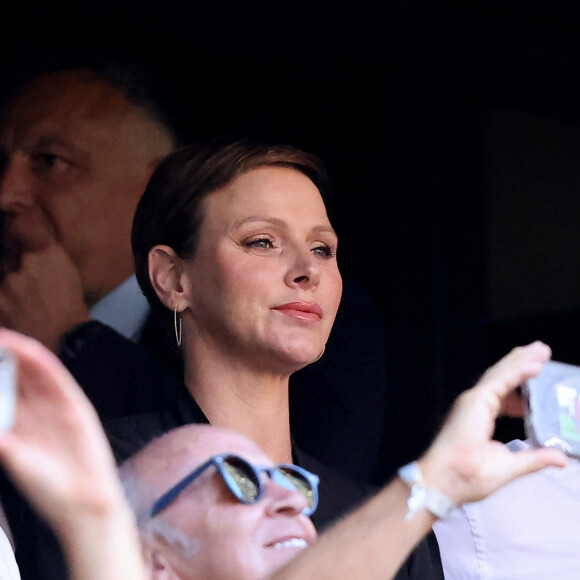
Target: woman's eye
[(324, 250), (259, 243)]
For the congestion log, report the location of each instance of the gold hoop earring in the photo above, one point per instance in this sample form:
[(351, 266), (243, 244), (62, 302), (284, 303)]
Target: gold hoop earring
[(177, 327), (320, 355)]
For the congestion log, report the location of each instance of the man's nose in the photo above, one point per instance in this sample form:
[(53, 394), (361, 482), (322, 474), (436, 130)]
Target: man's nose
[(16, 183), (284, 500)]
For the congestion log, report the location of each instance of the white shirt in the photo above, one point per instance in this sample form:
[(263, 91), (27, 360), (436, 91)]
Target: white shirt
[(527, 530), (125, 309), (8, 567)]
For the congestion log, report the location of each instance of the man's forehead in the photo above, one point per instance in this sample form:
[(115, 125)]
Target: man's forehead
[(213, 442), (188, 447), (62, 99)]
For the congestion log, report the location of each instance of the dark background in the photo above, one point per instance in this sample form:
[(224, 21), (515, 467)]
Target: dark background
[(451, 131)]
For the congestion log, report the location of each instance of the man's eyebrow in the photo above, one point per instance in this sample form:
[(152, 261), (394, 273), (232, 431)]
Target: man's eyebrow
[(53, 140)]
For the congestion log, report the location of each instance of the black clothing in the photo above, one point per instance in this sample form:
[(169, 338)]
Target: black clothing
[(337, 494), (336, 404), (118, 376), (129, 434)]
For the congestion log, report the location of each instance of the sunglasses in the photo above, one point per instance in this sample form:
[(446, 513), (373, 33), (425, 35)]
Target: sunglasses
[(244, 481)]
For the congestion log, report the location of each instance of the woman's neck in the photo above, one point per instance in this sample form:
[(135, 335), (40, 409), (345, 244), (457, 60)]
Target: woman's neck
[(254, 404)]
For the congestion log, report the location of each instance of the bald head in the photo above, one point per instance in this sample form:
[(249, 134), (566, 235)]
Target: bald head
[(205, 522), (173, 455)]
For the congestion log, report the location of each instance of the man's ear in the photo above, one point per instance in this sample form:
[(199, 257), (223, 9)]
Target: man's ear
[(165, 272), (157, 565)]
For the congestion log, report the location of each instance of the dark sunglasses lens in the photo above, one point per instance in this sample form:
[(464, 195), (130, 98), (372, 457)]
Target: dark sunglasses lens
[(300, 483), (241, 479)]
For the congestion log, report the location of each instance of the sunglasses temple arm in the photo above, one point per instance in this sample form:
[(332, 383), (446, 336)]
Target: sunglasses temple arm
[(169, 497)]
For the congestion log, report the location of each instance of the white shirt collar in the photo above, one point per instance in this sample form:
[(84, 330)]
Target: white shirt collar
[(125, 309)]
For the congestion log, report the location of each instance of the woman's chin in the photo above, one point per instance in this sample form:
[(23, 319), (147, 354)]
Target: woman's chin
[(304, 359)]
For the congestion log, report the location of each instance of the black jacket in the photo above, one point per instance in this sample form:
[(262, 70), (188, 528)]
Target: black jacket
[(338, 494)]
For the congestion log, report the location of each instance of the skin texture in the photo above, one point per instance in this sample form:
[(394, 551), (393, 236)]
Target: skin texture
[(266, 241), (257, 300), (206, 512), (79, 156)]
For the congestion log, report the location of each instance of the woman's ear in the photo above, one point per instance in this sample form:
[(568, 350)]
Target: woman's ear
[(165, 270)]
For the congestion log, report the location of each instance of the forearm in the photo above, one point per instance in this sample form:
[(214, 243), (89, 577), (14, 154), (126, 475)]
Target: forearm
[(103, 546), (462, 465), (372, 542)]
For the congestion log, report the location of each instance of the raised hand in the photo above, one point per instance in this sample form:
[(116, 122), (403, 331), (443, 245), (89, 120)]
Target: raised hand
[(57, 454), (464, 462)]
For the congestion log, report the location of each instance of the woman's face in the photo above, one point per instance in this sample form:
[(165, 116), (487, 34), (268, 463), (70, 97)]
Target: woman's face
[(264, 284)]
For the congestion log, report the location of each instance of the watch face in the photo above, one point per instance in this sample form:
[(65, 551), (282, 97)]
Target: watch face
[(552, 417)]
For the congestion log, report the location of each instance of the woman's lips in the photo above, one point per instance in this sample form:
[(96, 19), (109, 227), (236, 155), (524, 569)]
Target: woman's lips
[(301, 310)]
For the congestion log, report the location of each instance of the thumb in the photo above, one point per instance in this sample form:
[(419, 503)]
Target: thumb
[(529, 461)]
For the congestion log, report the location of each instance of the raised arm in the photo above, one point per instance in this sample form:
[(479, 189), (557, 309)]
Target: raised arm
[(57, 454), (463, 463)]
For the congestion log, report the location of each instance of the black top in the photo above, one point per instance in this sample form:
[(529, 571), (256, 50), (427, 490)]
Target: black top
[(127, 435), (337, 494)]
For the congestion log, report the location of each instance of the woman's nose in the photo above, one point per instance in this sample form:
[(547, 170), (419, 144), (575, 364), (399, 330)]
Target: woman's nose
[(304, 271)]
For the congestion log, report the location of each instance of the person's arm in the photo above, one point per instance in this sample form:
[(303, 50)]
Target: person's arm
[(58, 455), (463, 463)]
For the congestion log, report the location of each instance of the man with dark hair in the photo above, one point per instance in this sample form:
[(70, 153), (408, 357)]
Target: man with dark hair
[(79, 146)]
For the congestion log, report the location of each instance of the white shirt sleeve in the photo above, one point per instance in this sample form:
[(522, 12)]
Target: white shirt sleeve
[(8, 567)]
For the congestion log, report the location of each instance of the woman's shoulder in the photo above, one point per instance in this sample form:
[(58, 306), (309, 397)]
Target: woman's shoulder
[(128, 434)]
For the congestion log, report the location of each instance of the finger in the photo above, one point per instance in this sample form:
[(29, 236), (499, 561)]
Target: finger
[(529, 461), (44, 481), (19, 457), (30, 230), (10, 250), (521, 364)]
